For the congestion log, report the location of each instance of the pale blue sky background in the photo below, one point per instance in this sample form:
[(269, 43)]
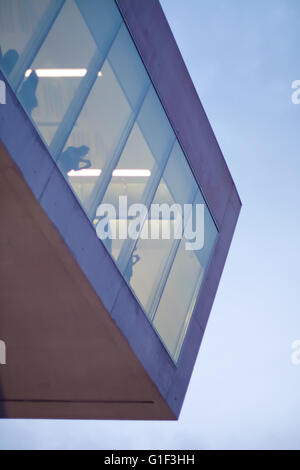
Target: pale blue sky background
[(244, 393)]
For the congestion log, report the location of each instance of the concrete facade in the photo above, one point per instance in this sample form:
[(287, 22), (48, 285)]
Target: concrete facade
[(78, 343)]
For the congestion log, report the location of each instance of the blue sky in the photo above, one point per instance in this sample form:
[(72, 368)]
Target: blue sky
[(244, 393)]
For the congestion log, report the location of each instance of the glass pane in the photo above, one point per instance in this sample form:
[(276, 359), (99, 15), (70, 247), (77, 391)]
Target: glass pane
[(128, 67), (103, 20), (53, 77), (152, 257), (143, 158), (18, 20), (185, 276), (178, 300), (155, 126)]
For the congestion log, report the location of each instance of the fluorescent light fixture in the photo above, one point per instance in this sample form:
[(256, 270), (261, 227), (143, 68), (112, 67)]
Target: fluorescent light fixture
[(59, 73), (131, 173), (118, 172), (85, 172)]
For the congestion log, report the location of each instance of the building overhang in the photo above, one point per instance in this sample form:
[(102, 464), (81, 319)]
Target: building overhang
[(78, 343)]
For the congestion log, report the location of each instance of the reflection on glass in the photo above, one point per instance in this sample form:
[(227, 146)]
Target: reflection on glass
[(8, 60), (73, 160)]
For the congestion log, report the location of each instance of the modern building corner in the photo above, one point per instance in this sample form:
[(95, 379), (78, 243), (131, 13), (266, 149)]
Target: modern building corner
[(99, 105)]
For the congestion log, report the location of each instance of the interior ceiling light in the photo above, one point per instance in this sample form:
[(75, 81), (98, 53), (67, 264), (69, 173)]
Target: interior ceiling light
[(118, 172), (59, 73)]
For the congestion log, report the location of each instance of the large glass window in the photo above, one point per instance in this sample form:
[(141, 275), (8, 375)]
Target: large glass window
[(77, 73)]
